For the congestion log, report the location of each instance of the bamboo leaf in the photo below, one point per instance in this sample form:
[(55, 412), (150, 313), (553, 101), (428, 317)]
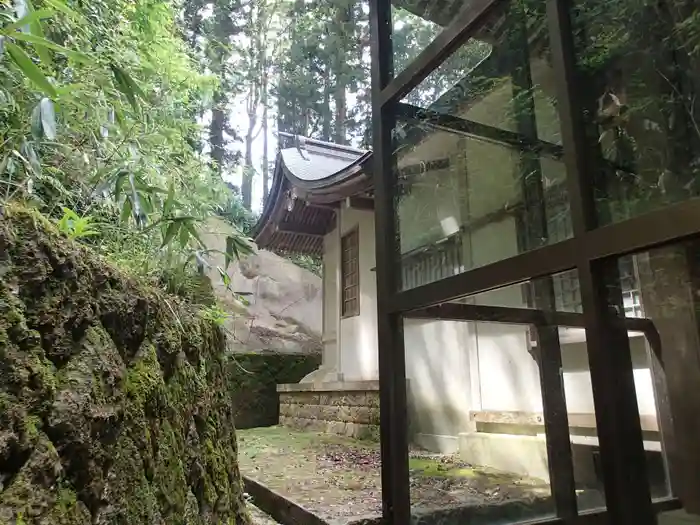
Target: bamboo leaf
[(27, 21), (170, 233), (126, 210), (118, 183), (231, 252), (184, 238), (43, 42), (29, 68), (36, 127), (193, 231), (147, 204), (168, 206), (126, 85), (30, 153), (136, 201), (48, 118), (58, 5), (36, 29)]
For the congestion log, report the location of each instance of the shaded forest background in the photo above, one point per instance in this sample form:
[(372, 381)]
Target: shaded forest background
[(126, 120)]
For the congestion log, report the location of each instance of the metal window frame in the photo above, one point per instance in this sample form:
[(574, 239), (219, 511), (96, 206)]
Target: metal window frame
[(589, 251)]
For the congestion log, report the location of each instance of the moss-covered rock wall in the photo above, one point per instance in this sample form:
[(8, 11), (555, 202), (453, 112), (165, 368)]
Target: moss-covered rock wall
[(115, 400), (255, 377)]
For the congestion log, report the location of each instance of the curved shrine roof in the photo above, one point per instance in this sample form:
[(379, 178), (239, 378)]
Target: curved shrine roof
[(310, 180)]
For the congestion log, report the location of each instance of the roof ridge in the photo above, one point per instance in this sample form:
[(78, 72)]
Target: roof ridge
[(322, 143)]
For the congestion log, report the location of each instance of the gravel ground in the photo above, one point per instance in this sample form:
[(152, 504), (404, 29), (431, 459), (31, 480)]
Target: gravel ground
[(339, 478)]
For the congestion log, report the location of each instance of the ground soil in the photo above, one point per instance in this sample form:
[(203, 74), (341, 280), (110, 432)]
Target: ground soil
[(339, 478)]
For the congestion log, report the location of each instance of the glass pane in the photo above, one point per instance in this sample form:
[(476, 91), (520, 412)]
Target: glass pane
[(501, 77), (478, 166), (561, 290), (667, 367), (412, 31), (639, 74), (416, 23), (460, 374), (465, 201), (583, 433)]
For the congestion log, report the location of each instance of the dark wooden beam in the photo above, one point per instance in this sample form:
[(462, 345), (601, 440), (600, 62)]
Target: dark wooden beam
[(307, 230), (504, 314), (361, 203), (332, 206)]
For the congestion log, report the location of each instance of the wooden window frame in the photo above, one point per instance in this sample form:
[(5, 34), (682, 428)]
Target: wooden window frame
[(349, 267)]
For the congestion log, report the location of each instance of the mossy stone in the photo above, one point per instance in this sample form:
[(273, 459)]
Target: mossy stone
[(114, 406)]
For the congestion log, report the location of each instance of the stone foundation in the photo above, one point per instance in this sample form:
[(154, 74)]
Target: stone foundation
[(346, 409)]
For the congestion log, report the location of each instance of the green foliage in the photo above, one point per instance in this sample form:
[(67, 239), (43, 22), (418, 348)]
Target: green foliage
[(308, 262), (215, 315), (254, 379), (98, 111), (76, 227), (235, 213)]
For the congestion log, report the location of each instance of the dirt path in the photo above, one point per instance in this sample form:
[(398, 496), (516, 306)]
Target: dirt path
[(339, 478)]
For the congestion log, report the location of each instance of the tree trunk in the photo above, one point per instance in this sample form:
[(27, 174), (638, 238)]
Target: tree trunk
[(326, 116), (265, 166), (339, 95), (216, 132), (340, 115), (248, 169)]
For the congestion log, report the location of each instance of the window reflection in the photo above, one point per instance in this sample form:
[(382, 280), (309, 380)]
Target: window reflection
[(469, 460), (464, 202), (415, 24), (478, 162), (639, 67), (501, 77), (668, 293)]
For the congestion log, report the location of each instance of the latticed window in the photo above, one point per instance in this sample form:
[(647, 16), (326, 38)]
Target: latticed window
[(432, 262), (567, 292), (350, 266)]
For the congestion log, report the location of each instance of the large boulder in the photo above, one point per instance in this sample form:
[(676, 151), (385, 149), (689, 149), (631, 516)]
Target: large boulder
[(285, 310), (115, 399)]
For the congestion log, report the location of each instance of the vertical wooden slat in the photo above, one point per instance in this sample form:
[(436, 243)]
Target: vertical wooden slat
[(556, 421)]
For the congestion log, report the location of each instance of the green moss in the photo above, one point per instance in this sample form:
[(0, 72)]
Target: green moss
[(254, 380), (144, 377), (130, 385), (66, 501), (432, 467), (32, 426)]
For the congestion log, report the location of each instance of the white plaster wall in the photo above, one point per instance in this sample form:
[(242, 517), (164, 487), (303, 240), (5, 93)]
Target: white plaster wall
[(508, 374), (358, 335), (495, 108), (577, 376), (331, 312), (438, 373)]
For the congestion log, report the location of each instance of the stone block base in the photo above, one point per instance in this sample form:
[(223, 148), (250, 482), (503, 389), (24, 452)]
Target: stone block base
[(346, 409), (524, 455)]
